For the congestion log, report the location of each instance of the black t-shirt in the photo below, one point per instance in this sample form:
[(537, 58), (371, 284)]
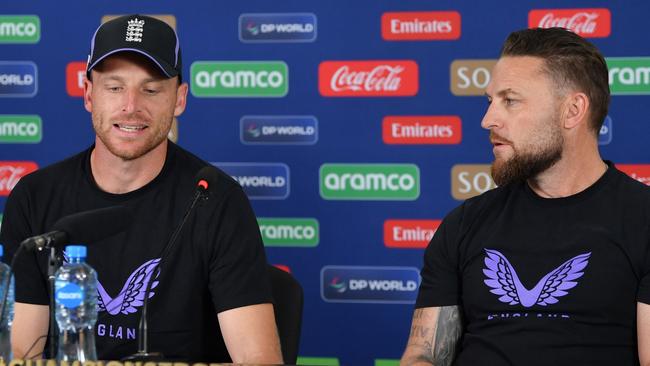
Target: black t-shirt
[(218, 262), (545, 281)]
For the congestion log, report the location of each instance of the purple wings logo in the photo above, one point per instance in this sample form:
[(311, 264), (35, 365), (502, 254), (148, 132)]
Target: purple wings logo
[(132, 295), (504, 282)]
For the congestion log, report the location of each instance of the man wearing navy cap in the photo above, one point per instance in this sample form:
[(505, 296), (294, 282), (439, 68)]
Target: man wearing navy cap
[(212, 288)]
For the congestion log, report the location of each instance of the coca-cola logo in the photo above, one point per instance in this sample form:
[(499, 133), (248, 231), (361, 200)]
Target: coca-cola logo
[(589, 23), (11, 172), (368, 78)]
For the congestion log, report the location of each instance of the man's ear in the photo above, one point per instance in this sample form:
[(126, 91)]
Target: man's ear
[(576, 110), (181, 99), (88, 90)]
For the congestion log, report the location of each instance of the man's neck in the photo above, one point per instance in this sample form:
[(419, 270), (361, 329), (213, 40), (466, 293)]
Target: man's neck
[(115, 175), (575, 172)]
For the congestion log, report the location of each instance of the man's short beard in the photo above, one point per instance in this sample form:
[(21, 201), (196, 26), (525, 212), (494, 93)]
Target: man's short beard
[(526, 165)]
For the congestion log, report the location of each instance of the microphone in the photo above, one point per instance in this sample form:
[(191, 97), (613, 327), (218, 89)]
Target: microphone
[(206, 179), (82, 227)]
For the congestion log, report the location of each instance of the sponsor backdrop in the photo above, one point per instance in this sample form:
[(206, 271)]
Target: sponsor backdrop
[(353, 127)]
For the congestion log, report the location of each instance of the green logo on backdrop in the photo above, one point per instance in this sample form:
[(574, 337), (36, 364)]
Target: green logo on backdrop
[(289, 232), (369, 181), (239, 79), (20, 128), (20, 29), (629, 75), (386, 362), (318, 361)]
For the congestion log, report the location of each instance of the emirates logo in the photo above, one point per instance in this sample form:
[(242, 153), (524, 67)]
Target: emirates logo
[(134, 30)]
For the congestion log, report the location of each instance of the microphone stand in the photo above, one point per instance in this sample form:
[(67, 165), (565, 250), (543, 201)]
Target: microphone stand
[(143, 353), (53, 264)]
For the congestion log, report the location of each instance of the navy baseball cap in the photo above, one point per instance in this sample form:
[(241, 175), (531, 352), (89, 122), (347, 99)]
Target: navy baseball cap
[(142, 34)]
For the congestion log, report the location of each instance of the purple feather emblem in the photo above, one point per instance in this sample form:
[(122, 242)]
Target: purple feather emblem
[(132, 295), (504, 282)]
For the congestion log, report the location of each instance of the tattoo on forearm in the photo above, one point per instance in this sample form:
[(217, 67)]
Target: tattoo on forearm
[(439, 343), (447, 335), (419, 331)]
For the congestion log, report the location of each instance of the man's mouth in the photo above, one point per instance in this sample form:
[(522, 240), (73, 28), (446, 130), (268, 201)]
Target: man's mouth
[(130, 128)]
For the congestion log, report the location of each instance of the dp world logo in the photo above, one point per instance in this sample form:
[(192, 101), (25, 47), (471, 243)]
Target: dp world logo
[(277, 27), (239, 79), (18, 79), (338, 286), (260, 180), (278, 130), (369, 182), (396, 285), (606, 133)]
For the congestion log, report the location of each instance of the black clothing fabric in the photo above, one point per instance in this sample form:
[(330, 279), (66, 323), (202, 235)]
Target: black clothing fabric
[(218, 262), (545, 281)]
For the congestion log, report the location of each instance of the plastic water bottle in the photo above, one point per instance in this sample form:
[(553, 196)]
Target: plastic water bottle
[(5, 325), (75, 296)]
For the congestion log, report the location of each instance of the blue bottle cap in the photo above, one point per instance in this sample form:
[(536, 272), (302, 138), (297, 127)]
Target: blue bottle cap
[(2, 250), (75, 251)]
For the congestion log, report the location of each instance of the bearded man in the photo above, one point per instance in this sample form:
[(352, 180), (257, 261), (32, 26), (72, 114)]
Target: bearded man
[(551, 267)]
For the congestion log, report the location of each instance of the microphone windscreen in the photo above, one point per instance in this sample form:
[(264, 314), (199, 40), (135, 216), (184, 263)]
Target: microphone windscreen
[(90, 226), (209, 175)]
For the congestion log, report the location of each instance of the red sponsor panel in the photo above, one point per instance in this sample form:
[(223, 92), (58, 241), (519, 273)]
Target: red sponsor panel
[(75, 74), (423, 25), (588, 23), (409, 233), (421, 130), (389, 78), (11, 172), (640, 172), (282, 267)]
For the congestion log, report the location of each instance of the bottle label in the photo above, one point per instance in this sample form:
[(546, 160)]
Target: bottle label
[(69, 295)]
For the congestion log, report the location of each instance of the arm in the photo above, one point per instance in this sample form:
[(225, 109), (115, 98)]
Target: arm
[(250, 334), (643, 332), (435, 334), (29, 330)]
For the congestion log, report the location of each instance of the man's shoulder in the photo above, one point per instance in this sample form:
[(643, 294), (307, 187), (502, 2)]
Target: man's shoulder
[(630, 186), (68, 168), (192, 164), (497, 195), (629, 194), (475, 207)]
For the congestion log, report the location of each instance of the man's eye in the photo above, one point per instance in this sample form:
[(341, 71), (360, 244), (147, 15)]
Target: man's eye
[(151, 91), (114, 88), (509, 101)]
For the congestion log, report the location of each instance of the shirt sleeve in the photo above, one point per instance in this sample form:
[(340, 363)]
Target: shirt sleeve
[(440, 285), (30, 280), (238, 268)]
